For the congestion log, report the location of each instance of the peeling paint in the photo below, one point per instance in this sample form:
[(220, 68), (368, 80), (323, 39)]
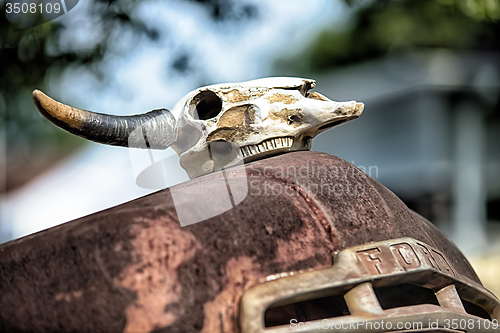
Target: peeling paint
[(283, 98), (240, 95), (315, 95), (292, 117), (240, 272), (159, 249), (68, 297), (234, 125)]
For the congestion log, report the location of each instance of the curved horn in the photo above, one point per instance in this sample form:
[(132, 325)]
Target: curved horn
[(156, 129)]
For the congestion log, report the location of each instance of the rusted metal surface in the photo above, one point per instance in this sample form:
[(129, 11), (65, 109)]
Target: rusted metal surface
[(356, 272), (449, 298), (361, 300), (133, 268)]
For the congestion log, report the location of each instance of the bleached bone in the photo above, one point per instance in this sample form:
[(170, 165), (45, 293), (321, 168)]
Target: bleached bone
[(215, 126)]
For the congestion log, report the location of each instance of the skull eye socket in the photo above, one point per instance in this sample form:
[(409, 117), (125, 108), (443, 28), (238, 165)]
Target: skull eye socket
[(206, 105)]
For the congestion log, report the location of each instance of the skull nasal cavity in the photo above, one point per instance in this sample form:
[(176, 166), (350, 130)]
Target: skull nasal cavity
[(208, 105)]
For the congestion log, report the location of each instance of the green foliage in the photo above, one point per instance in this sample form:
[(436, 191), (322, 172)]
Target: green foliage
[(26, 60), (27, 56), (381, 27)]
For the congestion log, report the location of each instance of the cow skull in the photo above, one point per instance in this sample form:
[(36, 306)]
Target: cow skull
[(216, 126)]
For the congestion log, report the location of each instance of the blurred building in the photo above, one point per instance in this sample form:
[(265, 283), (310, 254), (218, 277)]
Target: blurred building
[(430, 132)]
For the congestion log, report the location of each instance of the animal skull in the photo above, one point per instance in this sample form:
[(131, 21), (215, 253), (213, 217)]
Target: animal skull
[(216, 126)]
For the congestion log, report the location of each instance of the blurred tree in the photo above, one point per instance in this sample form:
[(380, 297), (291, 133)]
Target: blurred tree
[(27, 56), (377, 28)]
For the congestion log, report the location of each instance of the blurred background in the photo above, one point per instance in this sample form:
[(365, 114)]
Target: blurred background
[(428, 72)]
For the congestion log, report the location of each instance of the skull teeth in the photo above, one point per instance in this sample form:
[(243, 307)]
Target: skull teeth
[(266, 146)]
